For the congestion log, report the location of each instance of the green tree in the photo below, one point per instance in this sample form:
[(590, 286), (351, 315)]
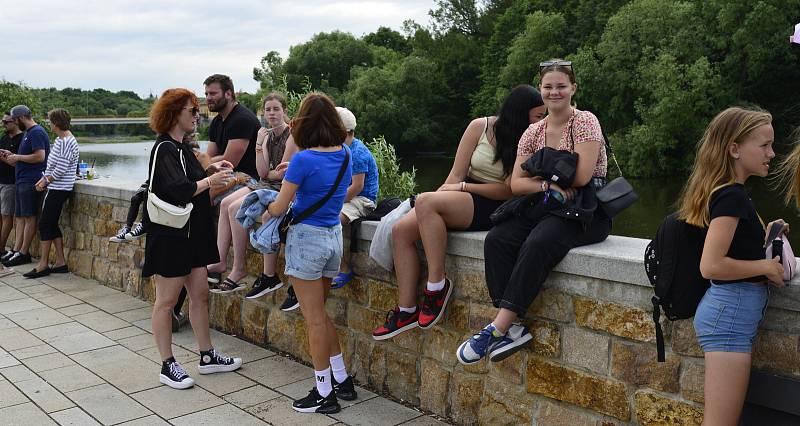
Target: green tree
[(390, 39), (13, 94), (270, 73)]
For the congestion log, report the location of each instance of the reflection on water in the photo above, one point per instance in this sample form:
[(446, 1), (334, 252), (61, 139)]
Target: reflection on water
[(656, 196)]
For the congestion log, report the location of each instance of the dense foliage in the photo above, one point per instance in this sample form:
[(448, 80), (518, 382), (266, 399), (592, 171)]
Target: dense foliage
[(653, 71)]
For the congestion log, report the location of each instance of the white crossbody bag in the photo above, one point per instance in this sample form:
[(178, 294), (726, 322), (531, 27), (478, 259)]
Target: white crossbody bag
[(162, 212)]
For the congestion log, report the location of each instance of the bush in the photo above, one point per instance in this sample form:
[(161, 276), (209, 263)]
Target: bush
[(392, 182)]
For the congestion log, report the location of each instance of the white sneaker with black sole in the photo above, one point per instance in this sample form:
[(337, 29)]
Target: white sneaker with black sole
[(212, 362), (264, 285), (315, 403), (174, 376)]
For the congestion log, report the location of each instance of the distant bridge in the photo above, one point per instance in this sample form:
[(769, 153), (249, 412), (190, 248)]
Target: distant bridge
[(110, 120)]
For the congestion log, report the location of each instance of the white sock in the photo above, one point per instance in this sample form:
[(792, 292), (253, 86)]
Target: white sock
[(410, 310), (338, 368), (435, 286), (324, 385), (496, 332)]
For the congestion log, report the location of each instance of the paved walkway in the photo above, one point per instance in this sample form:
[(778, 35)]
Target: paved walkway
[(75, 352)]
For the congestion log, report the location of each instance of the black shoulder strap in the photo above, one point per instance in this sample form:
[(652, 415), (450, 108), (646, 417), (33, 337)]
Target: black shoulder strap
[(305, 214)]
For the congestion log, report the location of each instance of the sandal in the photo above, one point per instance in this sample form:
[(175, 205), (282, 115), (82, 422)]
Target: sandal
[(227, 286), (342, 279)]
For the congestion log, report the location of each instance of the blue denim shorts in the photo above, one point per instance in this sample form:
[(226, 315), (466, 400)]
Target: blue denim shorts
[(728, 316), (28, 200), (313, 252)]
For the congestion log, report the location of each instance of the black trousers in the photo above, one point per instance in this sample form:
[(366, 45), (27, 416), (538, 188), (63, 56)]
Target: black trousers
[(51, 211), (520, 253), (136, 201)]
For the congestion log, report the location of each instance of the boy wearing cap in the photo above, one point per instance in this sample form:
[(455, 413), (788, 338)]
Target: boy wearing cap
[(29, 163), (362, 192)]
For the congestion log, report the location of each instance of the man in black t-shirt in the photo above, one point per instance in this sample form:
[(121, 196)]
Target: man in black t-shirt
[(10, 141), (233, 132)]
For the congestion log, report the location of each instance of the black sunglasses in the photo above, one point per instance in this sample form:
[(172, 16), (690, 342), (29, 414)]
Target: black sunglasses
[(545, 64), (193, 110)]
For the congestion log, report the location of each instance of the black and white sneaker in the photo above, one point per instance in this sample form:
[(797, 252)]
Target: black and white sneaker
[(212, 361), (315, 403), (291, 302), (120, 237), (7, 255), (264, 285), (345, 390), (135, 233), (174, 376), (18, 259)]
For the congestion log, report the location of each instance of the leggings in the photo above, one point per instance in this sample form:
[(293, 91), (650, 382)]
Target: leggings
[(520, 253), (51, 211), (136, 201)]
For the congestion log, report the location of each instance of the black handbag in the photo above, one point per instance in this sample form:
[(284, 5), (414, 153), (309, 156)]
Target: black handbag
[(617, 195), (290, 218), (510, 208)]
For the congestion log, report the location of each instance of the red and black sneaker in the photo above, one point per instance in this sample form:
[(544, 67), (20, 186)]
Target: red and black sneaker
[(396, 323), (433, 304)]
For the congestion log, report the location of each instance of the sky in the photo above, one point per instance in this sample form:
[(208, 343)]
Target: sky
[(148, 46)]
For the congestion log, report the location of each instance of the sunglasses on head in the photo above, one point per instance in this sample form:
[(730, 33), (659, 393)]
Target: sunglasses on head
[(545, 64)]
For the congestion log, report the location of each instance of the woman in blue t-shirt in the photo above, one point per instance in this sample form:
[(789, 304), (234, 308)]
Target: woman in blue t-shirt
[(314, 246), (736, 145)]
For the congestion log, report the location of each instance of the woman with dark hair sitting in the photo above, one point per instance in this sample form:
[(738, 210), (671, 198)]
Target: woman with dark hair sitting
[(321, 170), (476, 186), (177, 257)]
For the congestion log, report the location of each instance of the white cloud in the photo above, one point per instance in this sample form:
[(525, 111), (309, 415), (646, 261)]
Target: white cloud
[(151, 45)]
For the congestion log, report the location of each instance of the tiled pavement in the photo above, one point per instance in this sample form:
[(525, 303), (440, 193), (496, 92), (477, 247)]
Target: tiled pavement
[(73, 352)]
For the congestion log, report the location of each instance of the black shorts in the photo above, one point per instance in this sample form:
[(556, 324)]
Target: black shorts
[(27, 200), (483, 207), (172, 256)]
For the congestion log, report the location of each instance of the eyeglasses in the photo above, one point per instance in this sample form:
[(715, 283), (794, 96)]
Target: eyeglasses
[(545, 64), (193, 110), (8, 121)]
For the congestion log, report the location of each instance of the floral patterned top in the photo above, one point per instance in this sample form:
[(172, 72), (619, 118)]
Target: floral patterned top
[(585, 128)]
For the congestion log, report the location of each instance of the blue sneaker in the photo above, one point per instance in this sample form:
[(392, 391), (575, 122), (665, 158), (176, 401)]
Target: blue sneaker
[(342, 279), (477, 346), (514, 340)]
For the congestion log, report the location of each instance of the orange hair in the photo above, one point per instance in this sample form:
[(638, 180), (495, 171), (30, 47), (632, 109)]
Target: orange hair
[(164, 113)]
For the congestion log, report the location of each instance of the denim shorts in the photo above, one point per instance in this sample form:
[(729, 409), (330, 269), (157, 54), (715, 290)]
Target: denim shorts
[(728, 316), (313, 252)]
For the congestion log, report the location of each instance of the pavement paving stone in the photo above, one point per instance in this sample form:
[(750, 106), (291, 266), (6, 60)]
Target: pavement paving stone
[(220, 383), (44, 395), (223, 414), (81, 342), (48, 362), (73, 416), (18, 281), (117, 302), (121, 367), (135, 314), (182, 355), (376, 411), (276, 371), (25, 415), (19, 305), (71, 378), (17, 373), (33, 351), (138, 343), (8, 293), (60, 300), (251, 396), (17, 338), (69, 282), (147, 421), (7, 360), (123, 333), (300, 389), (233, 346), (425, 421), (279, 412), (170, 403), (59, 330), (144, 323), (107, 404), (91, 292), (37, 288), (6, 323), (101, 321), (10, 395), (78, 309), (38, 318)]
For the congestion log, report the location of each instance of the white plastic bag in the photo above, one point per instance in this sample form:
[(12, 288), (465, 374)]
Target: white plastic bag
[(380, 250)]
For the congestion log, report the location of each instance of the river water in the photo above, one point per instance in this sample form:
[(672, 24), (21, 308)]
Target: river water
[(656, 196)]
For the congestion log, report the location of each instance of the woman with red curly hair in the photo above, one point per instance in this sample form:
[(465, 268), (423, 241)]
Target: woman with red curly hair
[(178, 257)]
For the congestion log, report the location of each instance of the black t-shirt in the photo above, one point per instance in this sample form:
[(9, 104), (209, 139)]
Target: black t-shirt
[(241, 123), (11, 144), (748, 239)]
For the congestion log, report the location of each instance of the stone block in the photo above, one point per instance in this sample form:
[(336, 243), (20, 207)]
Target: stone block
[(546, 338), (615, 319), (692, 380), (637, 364), (104, 211), (553, 304), (652, 409), (377, 366), (337, 310), (777, 352), (505, 404), (576, 387), (466, 391), (554, 414), (113, 252), (440, 344), (100, 268), (511, 369), (81, 264), (363, 320), (404, 378), (225, 312), (586, 349), (470, 284), (684, 340), (433, 386), (457, 315), (362, 349), (80, 241), (282, 330), (480, 315), (254, 321), (382, 296), (357, 290), (119, 214)]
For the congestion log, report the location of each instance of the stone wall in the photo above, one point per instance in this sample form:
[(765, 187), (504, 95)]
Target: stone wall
[(592, 360)]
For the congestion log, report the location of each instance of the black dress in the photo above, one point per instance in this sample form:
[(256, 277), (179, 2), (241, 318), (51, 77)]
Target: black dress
[(172, 252)]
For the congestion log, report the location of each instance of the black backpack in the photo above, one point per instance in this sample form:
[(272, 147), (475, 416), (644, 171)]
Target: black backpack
[(382, 209), (672, 264)]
